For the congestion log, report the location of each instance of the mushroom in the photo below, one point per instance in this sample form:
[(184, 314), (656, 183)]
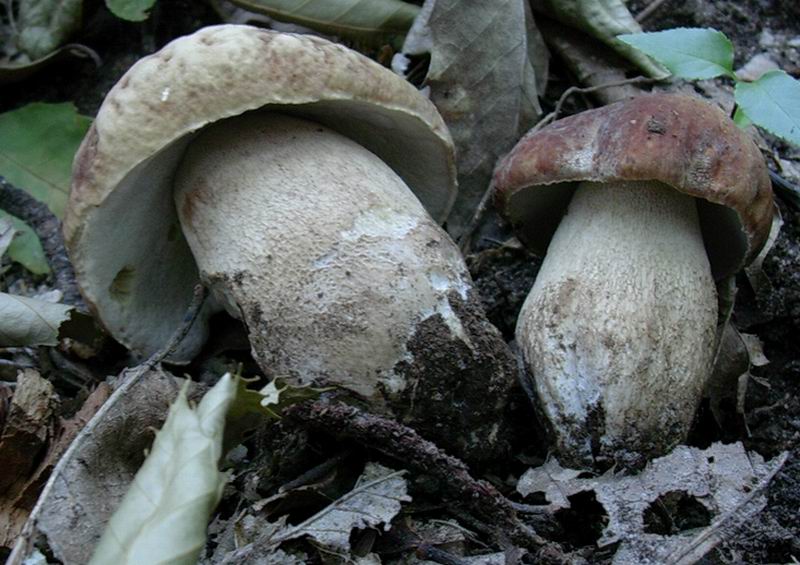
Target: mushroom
[(299, 181), (664, 195)]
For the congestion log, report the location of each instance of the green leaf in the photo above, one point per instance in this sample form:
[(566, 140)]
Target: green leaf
[(740, 118), (252, 407), (690, 53), (773, 103), (131, 10), (37, 145), (355, 19), (164, 515), (26, 249), (27, 322)]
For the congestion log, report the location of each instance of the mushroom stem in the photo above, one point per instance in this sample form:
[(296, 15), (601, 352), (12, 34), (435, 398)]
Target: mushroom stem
[(618, 330), (318, 246)]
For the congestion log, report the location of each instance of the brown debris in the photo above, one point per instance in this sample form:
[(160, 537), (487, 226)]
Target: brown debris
[(33, 440)]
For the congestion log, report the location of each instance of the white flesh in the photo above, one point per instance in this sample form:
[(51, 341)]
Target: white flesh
[(618, 330), (318, 246)]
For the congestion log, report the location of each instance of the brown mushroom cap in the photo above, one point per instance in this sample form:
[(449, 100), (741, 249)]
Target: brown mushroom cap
[(678, 140), (132, 262)]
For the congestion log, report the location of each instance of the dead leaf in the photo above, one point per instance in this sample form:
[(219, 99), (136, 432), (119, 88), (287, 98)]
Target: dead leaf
[(725, 479), (29, 426), (164, 514), (93, 475), (376, 499), (604, 20), (18, 500), (755, 270), (29, 322), (483, 79)]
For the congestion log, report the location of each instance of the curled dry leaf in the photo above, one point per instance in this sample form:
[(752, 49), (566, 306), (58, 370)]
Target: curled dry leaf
[(605, 20)]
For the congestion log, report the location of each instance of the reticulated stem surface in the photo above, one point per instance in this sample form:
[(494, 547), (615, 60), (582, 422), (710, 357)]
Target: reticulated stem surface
[(618, 330)]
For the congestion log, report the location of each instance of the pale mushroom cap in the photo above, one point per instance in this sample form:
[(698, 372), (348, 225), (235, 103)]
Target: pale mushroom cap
[(678, 140), (132, 263)]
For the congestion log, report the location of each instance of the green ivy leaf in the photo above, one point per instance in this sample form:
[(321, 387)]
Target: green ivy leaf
[(690, 53), (252, 407), (131, 10), (355, 19), (37, 145), (773, 103)]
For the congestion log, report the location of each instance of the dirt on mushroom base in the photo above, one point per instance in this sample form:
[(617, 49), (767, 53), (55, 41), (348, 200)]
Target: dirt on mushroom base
[(469, 381)]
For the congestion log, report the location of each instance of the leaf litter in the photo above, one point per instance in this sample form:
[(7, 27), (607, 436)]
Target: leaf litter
[(726, 480)]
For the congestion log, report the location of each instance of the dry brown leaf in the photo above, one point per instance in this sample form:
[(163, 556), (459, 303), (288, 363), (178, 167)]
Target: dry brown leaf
[(483, 79)]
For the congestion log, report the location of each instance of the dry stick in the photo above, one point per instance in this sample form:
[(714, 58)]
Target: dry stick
[(405, 445), (465, 243), (429, 552), (37, 215), (198, 299)]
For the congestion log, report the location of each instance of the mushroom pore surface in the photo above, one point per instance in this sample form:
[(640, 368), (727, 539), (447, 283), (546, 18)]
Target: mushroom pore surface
[(618, 330), (318, 246)]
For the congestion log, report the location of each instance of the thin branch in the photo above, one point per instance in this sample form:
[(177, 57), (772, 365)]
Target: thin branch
[(38, 216), (198, 299), (417, 454)]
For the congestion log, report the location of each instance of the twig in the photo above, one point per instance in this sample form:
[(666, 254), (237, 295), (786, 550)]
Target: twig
[(649, 10), (711, 536), (788, 189), (586, 90), (198, 299), (36, 214), (315, 473), (412, 451)]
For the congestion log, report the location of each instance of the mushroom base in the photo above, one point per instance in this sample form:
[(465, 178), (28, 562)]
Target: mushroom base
[(618, 331)]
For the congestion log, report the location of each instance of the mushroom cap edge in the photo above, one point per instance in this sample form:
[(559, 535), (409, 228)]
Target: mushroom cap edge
[(678, 140)]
